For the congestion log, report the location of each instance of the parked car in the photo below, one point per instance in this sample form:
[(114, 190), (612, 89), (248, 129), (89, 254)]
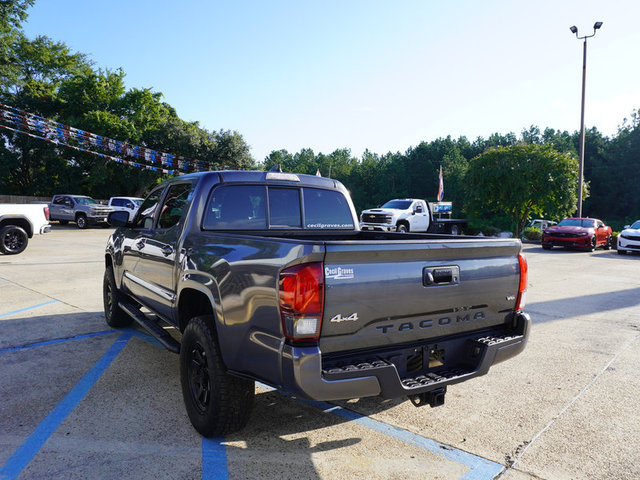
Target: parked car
[(629, 238), (83, 210), (126, 204), (586, 233), (19, 223), (268, 277)]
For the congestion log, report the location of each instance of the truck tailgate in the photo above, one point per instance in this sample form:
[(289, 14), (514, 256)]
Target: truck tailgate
[(382, 293)]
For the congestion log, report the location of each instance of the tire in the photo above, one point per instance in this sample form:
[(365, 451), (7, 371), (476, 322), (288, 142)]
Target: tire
[(63, 222), (81, 221), (592, 245), (13, 240), (609, 244), (217, 403), (402, 228), (113, 314), (547, 247), (455, 230)]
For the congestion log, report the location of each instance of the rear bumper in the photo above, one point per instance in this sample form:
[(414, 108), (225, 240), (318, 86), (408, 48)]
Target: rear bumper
[(45, 229), (304, 373)]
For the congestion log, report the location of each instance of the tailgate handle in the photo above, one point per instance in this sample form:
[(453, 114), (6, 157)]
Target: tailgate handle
[(446, 275)]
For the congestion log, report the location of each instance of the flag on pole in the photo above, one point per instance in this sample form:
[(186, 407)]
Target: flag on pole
[(440, 186)]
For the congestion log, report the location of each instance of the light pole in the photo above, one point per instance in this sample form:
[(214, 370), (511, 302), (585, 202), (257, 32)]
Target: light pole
[(574, 29)]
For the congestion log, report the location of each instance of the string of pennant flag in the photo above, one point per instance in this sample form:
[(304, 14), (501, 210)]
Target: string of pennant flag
[(60, 134), (102, 155)]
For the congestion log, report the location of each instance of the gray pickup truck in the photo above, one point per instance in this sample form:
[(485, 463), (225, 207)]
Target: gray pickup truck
[(85, 211), (266, 276)]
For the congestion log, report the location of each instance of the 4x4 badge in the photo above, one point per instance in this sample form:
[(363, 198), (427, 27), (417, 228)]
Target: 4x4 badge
[(339, 318)]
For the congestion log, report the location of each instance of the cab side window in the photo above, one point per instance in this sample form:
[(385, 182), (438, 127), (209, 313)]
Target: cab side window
[(175, 204), (144, 217)]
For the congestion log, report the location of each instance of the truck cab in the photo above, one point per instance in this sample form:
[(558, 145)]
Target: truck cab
[(398, 215)]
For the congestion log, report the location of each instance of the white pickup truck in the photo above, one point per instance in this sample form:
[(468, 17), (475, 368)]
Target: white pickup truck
[(19, 223), (409, 215)]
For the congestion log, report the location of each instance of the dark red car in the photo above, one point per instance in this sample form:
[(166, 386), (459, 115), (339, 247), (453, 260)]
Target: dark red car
[(587, 233)]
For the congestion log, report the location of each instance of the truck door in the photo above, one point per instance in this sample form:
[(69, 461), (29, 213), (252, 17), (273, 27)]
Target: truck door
[(420, 217), (157, 249)]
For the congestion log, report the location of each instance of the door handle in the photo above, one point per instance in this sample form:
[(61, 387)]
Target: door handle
[(167, 250), (444, 275), (140, 244)]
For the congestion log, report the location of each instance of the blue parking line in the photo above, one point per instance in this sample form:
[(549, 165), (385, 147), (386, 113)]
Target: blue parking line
[(28, 308), (479, 468), (12, 468), (214, 459), (57, 340)]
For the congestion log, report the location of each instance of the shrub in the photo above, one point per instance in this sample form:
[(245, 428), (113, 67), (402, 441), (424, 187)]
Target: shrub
[(533, 234)]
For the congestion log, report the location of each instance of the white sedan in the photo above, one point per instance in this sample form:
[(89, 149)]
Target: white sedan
[(629, 238)]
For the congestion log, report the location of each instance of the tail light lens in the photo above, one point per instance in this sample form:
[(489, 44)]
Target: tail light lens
[(301, 295), (524, 279), (46, 213)]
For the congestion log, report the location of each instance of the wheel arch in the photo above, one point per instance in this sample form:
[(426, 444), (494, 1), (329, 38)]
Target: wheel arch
[(18, 221), (405, 223), (194, 301)]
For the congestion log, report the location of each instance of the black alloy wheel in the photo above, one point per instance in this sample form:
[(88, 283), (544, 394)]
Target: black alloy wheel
[(593, 244), (113, 314), (217, 403), (198, 377), (609, 244), (13, 239)]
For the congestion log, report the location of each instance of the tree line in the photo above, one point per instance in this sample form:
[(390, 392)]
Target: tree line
[(611, 172), (497, 182)]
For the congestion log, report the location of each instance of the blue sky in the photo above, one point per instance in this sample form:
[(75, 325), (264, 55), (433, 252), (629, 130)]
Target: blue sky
[(371, 74)]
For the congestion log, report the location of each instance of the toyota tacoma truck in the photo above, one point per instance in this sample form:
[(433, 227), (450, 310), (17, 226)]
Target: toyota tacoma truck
[(265, 276), (19, 223)]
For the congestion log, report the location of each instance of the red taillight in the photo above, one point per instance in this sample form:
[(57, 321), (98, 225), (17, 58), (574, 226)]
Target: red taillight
[(524, 278), (301, 295), (46, 213)]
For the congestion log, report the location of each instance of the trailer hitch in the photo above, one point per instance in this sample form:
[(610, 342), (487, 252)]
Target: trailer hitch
[(434, 398)]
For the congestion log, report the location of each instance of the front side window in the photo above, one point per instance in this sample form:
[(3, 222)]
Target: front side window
[(175, 204), (144, 217)]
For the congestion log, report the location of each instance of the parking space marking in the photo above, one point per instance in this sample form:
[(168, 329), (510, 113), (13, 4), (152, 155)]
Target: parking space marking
[(12, 468), (57, 340), (479, 468), (214, 459), (214, 451), (28, 308)]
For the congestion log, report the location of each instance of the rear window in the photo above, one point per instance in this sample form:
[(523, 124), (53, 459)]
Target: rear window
[(326, 209), (258, 207)]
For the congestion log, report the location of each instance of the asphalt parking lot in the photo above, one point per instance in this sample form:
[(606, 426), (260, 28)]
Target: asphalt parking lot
[(80, 400)]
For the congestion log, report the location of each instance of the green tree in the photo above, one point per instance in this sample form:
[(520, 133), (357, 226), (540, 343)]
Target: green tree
[(520, 181)]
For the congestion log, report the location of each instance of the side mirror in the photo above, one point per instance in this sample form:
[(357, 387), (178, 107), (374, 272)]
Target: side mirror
[(118, 219)]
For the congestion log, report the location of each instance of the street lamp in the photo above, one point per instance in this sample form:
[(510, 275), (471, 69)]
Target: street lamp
[(574, 29)]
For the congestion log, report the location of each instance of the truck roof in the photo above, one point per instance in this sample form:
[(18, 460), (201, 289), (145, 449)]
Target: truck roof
[(262, 176)]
